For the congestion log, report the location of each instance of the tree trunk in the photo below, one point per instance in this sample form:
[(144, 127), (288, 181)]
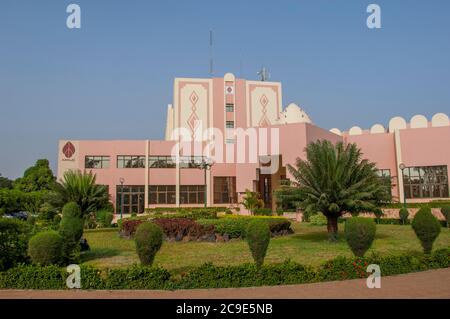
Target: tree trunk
[(332, 228)]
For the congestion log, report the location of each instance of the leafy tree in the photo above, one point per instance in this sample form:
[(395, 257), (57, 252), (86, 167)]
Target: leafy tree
[(252, 201), (82, 189), (36, 178), (14, 236), (334, 179), (5, 182)]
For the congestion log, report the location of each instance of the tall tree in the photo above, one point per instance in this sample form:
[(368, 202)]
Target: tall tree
[(334, 179), (5, 182), (36, 178), (82, 189)]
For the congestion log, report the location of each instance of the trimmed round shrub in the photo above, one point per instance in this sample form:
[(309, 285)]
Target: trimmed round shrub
[(426, 227), (318, 220), (45, 248), (148, 239), (71, 230), (403, 214), (446, 212), (258, 238), (14, 235), (359, 234)]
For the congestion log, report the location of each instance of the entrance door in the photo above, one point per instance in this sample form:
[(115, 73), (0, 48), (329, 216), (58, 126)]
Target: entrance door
[(265, 189)]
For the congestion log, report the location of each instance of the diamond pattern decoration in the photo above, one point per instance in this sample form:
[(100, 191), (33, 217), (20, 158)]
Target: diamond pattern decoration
[(193, 120), (193, 98), (264, 101), (264, 121)]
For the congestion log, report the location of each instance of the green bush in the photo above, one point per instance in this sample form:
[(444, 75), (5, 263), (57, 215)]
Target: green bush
[(137, 277), (258, 238), (427, 228), (262, 212), (71, 230), (236, 225), (148, 239), (104, 218), (318, 219), (210, 276), (378, 212), (403, 214), (446, 213), (45, 248), (359, 234), (14, 236)]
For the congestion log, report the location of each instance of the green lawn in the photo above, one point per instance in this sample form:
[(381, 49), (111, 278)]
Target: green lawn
[(308, 245)]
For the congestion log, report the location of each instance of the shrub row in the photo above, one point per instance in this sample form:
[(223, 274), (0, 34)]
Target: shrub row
[(235, 226), (210, 276), (173, 228), (390, 221), (431, 204)]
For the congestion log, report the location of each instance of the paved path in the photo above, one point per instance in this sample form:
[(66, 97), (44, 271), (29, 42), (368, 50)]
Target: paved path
[(427, 284)]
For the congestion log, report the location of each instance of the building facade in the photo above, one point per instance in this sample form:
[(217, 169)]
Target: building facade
[(243, 128)]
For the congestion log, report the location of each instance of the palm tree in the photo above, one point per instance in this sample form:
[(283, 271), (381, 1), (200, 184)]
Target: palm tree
[(333, 180), (82, 189)]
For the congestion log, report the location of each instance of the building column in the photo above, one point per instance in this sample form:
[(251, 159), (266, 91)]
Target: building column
[(146, 179), (399, 160)]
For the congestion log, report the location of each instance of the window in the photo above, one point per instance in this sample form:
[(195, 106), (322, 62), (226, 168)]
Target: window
[(225, 190), (133, 198), (229, 107), (192, 194), (128, 161), (384, 173), (161, 162), (161, 194), (425, 182), (190, 161), (96, 162), (230, 141), (229, 124)]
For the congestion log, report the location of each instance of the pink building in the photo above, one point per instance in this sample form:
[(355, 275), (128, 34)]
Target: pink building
[(244, 129)]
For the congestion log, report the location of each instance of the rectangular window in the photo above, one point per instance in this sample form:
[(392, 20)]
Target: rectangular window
[(384, 173), (96, 162), (133, 198), (190, 161), (192, 194), (129, 161), (426, 182), (161, 162), (225, 190), (161, 194), (229, 107), (229, 124)]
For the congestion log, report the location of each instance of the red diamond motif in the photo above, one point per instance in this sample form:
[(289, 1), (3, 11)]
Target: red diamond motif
[(193, 98), (264, 100)]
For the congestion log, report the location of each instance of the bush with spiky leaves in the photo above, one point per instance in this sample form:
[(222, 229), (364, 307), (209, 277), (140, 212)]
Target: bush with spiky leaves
[(426, 227), (334, 179), (82, 189)]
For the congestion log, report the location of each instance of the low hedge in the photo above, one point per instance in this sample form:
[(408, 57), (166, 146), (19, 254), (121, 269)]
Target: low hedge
[(432, 204), (235, 225), (183, 210), (210, 276), (390, 221)]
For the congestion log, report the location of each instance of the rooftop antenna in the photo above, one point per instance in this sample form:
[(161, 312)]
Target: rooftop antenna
[(211, 53), (264, 74)]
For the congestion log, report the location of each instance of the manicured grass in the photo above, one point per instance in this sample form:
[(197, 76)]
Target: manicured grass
[(308, 245)]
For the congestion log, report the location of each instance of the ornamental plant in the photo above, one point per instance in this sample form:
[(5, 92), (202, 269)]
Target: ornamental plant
[(71, 230), (45, 248), (359, 234), (14, 236), (426, 227), (148, 239), (446, 212), (258, 238), (403, 213)]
